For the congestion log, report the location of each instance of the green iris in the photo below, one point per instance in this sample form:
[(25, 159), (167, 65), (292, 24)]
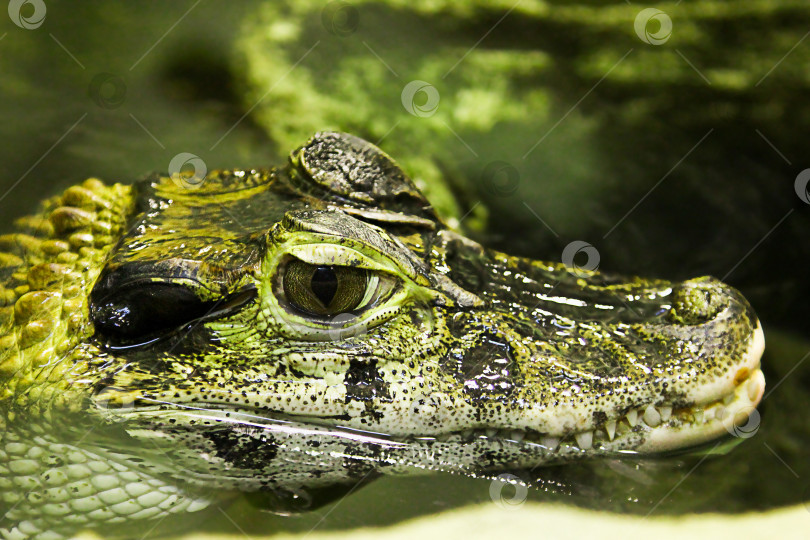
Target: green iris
[(324, 290)]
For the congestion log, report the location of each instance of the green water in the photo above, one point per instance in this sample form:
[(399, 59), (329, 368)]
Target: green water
[(117, 91)]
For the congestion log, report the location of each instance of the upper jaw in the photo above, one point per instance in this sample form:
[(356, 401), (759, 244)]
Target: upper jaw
[(649, 427), (726, 405), (614, 363)]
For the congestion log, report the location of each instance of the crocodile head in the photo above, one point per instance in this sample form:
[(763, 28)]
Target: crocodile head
[(316, 325), (271, 320)]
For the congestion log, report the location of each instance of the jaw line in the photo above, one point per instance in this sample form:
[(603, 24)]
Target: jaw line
[(731, 413), (651, 428), (632, 433), (734, 413)]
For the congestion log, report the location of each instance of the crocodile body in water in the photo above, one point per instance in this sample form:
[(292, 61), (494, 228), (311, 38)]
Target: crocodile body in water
[(290, 331)]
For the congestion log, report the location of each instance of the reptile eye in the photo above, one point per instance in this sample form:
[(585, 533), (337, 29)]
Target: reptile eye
[(149, 309), (324, 290)]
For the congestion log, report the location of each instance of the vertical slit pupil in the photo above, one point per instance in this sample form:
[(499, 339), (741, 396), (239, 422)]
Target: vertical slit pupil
[(324, 284)]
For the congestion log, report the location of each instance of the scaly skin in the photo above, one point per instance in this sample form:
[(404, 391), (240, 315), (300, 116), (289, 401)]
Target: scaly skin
[(155, 357)]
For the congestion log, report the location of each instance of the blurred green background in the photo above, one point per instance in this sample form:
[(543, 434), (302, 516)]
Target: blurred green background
[(674, 150)]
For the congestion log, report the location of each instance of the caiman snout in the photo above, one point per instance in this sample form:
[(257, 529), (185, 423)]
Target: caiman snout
[(599, 363)]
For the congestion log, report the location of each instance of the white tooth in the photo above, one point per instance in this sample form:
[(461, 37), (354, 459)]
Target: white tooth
[(699, 416), (584, 439), (755, 384), (753, 390), (709, 413), (491, 433), (651, 416), (610, 427), (632, 417), (666, 412), (550, 442), (720, 412), (517, 435)]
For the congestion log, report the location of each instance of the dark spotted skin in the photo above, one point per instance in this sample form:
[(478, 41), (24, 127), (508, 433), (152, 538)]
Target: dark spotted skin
[(146, 335)]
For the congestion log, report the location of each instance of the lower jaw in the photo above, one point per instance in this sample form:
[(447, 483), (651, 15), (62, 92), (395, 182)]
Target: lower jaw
[(734, 415), (645, 430), (655, 429)]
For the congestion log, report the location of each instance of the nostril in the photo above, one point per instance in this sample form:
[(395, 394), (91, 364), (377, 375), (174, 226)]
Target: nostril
[(697, 301)]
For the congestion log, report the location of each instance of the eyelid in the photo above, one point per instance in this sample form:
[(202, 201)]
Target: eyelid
[(332, 255), (372, 290)]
